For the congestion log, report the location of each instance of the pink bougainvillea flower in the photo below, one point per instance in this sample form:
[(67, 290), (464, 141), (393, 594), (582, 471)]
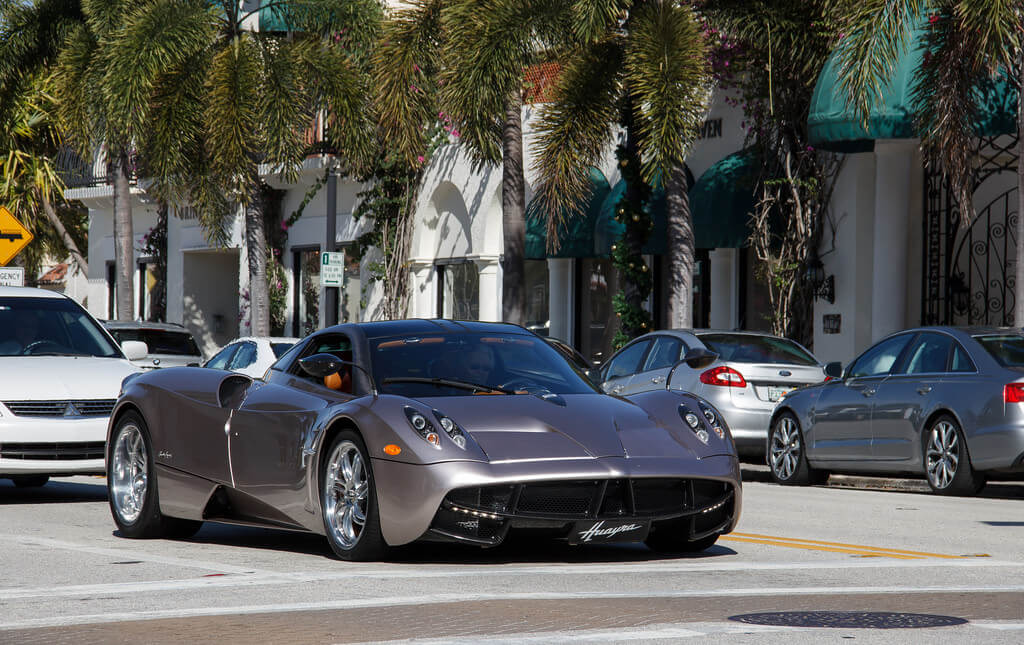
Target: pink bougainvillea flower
[(420, 159), (932, 19)]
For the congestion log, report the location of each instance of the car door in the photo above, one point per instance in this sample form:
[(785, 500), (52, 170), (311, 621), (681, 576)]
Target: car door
[(622, 367), (664, 353), (907, 395), (841, 430)]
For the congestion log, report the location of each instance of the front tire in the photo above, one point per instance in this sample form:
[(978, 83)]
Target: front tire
[(947, 463), (787, 458), (348, 500), (132, 485)]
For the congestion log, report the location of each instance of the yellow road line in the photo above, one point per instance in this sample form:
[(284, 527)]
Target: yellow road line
[(838, 547)]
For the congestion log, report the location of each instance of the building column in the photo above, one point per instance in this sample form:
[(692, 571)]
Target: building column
[(724, 288), (561, 298), (893, 162), (490, 288), (423, 291)]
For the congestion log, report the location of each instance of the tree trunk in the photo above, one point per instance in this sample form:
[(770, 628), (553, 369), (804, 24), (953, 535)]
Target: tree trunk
[(513, 211), (62, 231), (256, 249), (124, 251), (680, 251), (1018, 286), (158, 297)]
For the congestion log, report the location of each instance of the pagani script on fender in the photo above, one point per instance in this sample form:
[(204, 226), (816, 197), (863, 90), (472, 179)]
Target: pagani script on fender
[(597, 531)]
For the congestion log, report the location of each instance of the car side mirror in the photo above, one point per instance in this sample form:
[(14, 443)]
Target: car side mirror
[(834, 369), (698, 357), (134, 350), (321, 365), (594, 375)]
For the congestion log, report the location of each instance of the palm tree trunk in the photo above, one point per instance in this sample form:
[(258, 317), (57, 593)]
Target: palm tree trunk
[(1018, 286), (256, 250), (513, 211), (124, 252), (680, 251), (62, 231)]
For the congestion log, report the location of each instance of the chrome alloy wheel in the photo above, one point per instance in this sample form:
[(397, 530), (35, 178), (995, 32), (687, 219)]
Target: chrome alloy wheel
[(345, 494), (784, 450), (128, 472), (942, 456)]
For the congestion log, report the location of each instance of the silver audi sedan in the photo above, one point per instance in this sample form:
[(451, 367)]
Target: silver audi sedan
[(943, 402), (751, 372)]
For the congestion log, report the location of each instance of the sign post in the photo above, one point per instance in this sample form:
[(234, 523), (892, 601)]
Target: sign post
[(13, 236)]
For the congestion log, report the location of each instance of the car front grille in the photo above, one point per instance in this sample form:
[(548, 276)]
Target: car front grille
[(52, 451), (61, 408), (593, 499)]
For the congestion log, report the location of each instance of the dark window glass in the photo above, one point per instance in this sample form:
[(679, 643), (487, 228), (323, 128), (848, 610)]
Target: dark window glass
[(749, 348), (880, 359), (1008, 349), (280, 348), (627, 361), (221, 358), (54, 326), (160, 341), (514, 361), (961, 361), (664, 353), (928, 355)]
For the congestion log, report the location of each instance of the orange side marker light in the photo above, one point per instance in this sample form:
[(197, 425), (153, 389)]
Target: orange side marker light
[(392, 449)]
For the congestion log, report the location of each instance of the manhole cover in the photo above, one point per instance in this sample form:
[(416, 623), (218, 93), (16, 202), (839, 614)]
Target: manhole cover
[(848, 619)]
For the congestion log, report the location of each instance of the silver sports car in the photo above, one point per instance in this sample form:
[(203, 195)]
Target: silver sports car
[(943, 402), (381, 434)]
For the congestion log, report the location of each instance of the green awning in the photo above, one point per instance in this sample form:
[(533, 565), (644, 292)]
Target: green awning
[(575, 236), (273, 17), (722, 200), (832, 125), (609, 230)]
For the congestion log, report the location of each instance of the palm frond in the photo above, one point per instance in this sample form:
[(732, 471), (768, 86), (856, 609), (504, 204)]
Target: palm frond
[(592, 19), (342, 89), (284, 113), (74, 84), (876, 31), (669, 80), (995, 28), (575, 128)]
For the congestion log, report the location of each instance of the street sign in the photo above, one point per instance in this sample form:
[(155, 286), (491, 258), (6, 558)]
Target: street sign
[(13, 236), (332, 268), (12, 276)]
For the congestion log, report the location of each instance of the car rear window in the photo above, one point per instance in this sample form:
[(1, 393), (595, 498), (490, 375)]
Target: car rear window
[(1007, 349), (747, 348), (160, 341), (280, 348)]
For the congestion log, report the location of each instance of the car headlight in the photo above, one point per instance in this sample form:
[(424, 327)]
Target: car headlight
[(451, 429), (693, 421), (423, 427)]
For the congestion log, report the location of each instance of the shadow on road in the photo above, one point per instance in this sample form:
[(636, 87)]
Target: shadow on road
[(55, 491)]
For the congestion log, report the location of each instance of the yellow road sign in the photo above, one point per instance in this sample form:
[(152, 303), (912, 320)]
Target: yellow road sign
[(13, 236)]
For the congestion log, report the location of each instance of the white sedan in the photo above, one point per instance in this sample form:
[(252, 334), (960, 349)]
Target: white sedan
[(61, 373), (251, 355)]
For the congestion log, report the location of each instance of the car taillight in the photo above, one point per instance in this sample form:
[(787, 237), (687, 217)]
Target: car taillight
[(724, 376), (1013, 393)]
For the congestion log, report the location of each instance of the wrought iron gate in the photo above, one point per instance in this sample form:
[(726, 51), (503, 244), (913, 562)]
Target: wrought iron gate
[(968, 270)]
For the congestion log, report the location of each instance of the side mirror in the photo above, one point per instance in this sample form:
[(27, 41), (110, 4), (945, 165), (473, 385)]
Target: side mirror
[(321, 365), (698, 357), (834, 369), (594, 375), (134, 350)]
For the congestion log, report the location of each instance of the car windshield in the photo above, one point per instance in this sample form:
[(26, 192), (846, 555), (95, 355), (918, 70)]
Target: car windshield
[(280, 348), (50, 326), (494, 361), (750, 348), (160, 341), (1008, 349)]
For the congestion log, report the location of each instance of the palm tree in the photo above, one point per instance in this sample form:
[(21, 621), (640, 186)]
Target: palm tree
[(212, 100), (432, 60), (965, 43)]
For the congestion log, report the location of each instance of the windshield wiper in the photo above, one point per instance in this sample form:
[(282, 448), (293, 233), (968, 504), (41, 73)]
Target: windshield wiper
[(440, 382)]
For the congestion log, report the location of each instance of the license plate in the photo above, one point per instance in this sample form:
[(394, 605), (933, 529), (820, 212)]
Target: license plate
[(594, 531), (776, 393)]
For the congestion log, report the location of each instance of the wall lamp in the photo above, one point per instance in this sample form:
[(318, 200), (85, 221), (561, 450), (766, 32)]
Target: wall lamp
[(822, 287)]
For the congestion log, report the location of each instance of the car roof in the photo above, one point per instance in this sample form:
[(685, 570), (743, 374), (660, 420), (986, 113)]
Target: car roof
[(136, 324), (387, 328), (269, 339), (29, 292)]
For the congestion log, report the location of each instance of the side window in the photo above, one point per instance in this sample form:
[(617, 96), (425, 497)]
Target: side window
[(961, 361), (244, 357), (628, 361), (928, 355), (664, 353), (878, 360), (221, 358)]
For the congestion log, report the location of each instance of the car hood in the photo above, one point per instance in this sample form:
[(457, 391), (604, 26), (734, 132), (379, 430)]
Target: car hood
[(62, 377), (573, 426)]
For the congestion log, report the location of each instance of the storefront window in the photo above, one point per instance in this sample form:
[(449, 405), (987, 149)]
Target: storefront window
[(306, 301), (536, 315), (599, 281), (460, 292)]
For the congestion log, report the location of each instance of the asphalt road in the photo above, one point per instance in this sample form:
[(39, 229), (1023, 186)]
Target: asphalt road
[(806, 565)]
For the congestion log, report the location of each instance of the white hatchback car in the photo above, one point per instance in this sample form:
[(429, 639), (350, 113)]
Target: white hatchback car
[(251, 355), (60, 374)]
